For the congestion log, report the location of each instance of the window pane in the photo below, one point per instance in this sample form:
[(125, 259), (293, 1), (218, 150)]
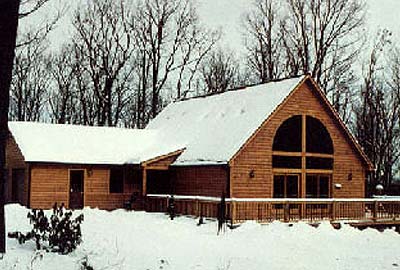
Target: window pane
[(116, 181), (292, 186), (318, 138), (324, 187), (319, 163), (286, 162), (76, 181), (312, 186), (288, 135), (279, 186)]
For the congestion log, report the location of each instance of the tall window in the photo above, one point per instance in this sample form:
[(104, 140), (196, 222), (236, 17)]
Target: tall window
[(286, 186), (302, 144), (116, 181), (288, 148), (317, 186)]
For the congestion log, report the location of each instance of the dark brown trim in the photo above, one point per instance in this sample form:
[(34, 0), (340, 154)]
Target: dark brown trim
[(28, 203), (225, 163), (86, 165), (228, 181)]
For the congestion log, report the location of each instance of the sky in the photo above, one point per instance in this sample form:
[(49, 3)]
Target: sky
[(227, 15)]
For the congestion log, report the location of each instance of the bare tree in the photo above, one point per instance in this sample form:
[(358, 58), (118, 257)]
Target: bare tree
[(63, 97), (264, 39), (40, 31), (171, 43), (316, 29), (8, 35), (103, 50), (30, 83), (377, 115), (317, 37), (219, 72)]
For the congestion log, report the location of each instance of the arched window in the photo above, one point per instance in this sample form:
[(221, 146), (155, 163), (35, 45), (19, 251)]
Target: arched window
[(318, 138), (302, 143), (288, 136)]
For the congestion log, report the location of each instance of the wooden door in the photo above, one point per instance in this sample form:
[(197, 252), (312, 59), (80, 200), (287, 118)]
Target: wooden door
[(76, 192)]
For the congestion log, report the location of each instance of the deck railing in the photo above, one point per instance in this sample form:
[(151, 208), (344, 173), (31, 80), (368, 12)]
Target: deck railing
[(286, 210)]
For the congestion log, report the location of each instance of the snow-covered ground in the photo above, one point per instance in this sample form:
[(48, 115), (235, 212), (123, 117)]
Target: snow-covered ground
[(138, 240)]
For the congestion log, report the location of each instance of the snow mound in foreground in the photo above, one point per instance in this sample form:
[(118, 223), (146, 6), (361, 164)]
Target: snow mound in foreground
[(137, 240)]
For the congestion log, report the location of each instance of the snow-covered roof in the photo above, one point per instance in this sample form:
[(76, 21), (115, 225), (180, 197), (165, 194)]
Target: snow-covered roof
[(76, 144), (213, 128), (210, 129)]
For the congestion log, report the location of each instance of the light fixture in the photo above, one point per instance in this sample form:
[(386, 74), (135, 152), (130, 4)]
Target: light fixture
[(251, 174), (338, 186), (350, 176)]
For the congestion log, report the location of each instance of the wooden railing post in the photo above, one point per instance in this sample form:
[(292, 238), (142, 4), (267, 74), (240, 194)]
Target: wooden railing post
[(197, 212), (286, 212), (375, 211), (333, 211), (233, 211)]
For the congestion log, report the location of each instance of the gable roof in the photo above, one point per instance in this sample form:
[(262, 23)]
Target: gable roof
[(57, 143), (213, 128), (331, 109), (206, 130)]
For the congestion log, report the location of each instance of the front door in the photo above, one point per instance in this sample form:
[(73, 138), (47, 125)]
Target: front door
[(76, 178)]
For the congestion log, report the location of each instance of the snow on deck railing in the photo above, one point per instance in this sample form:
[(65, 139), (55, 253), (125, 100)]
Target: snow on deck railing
[(316, 200)]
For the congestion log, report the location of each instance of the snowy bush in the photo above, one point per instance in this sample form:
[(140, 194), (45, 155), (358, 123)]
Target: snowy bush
[(85, 264), (60, 233)]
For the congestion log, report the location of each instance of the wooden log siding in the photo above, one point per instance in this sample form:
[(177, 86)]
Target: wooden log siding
[(50, 184), (15, 160), (200, 180), (256, 155)]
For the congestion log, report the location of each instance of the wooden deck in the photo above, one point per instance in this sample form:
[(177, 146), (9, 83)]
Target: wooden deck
[(354, 211)]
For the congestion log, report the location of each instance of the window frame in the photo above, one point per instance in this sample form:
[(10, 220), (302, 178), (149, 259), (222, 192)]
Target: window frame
[(318, 180), (285, 185), (111, 181)]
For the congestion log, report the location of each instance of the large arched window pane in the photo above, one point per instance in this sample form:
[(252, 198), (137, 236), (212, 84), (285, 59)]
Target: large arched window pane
[(318, 138), (288, 135)]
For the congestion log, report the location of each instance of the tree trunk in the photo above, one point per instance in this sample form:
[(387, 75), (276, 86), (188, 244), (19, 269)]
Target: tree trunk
[(8, 34)]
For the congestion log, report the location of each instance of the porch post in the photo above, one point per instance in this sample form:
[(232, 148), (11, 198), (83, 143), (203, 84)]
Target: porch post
[(144, 182), (303, 157), (303, 164)]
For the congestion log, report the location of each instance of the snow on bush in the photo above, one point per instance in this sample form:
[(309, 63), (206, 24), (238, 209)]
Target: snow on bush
[(60, 233), (124, 240)]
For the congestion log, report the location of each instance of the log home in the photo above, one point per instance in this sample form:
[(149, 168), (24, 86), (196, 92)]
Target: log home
[(282, 139)]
